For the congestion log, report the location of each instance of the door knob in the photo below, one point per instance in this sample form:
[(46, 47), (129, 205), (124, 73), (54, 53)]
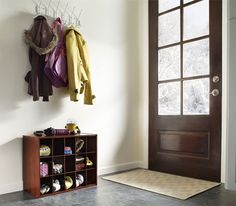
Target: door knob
[(215, 92)]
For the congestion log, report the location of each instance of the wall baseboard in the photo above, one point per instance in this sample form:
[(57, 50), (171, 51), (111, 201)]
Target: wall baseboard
[(12, 187), (120, 167)]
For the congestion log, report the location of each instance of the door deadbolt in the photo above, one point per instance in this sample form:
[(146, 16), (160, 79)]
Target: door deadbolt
[(215, 79)]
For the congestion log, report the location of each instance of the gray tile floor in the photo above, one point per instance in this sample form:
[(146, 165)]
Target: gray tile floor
[(112, 194)]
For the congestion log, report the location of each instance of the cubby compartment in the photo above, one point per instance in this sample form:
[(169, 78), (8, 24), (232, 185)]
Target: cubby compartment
[(70, 181), (45, 149), (80, 145), (91, 144), (70, 163), (81, 178), (91, 160), (69, 146), (58, 146), (80, 162), (58, 183), (91, 177), (58, 166), (45, 185), (45, 166)]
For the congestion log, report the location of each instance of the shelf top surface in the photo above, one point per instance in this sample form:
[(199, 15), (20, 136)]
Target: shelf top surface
[(62, 136)]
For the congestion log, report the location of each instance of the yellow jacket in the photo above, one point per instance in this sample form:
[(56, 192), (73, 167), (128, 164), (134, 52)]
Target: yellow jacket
[(78, 66)]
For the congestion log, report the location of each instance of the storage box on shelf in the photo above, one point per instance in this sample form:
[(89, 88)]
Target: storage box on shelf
[(64, 163)]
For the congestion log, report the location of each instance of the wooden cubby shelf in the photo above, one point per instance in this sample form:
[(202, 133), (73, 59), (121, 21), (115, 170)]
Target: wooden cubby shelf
[(60, 167)]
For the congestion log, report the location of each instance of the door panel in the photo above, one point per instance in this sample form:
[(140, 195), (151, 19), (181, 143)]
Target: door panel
[(184, 113), (184, 143)]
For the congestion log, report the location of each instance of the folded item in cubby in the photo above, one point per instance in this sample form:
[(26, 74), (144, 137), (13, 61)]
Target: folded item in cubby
[(67, 150), (80, 166)]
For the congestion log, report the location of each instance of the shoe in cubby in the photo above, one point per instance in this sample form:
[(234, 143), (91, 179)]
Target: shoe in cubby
[(81, 179), (45, 185), (58, 183), (58, 165), (80, 145), (91, 161)]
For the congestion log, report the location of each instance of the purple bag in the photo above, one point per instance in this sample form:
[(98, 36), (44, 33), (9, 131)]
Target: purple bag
[(56, 64)]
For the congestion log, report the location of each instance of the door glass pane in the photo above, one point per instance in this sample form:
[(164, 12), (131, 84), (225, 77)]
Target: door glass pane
[(169, 28), (196, 58), (165, 5), (169, 63), (169, 98), (196, 20), (196, 97)]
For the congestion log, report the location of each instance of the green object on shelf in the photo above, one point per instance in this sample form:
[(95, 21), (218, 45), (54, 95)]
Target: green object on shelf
[(45, 150), (68, 182)]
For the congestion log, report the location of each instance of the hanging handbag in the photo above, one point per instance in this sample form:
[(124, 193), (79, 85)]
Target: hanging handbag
[(56, 65)]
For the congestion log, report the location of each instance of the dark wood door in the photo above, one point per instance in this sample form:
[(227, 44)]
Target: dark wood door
[(185, 61)]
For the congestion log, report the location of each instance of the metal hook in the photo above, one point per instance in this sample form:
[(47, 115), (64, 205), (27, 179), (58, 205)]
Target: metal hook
[(48, 8), (37, 7), (78, 19)]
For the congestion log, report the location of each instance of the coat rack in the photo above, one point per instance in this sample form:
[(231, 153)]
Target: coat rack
[(67, 15)]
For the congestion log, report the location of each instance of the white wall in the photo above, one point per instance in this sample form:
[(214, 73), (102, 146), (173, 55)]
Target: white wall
[(111, 30)]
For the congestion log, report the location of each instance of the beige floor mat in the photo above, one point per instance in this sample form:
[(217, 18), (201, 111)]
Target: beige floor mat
[(162, 183)]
